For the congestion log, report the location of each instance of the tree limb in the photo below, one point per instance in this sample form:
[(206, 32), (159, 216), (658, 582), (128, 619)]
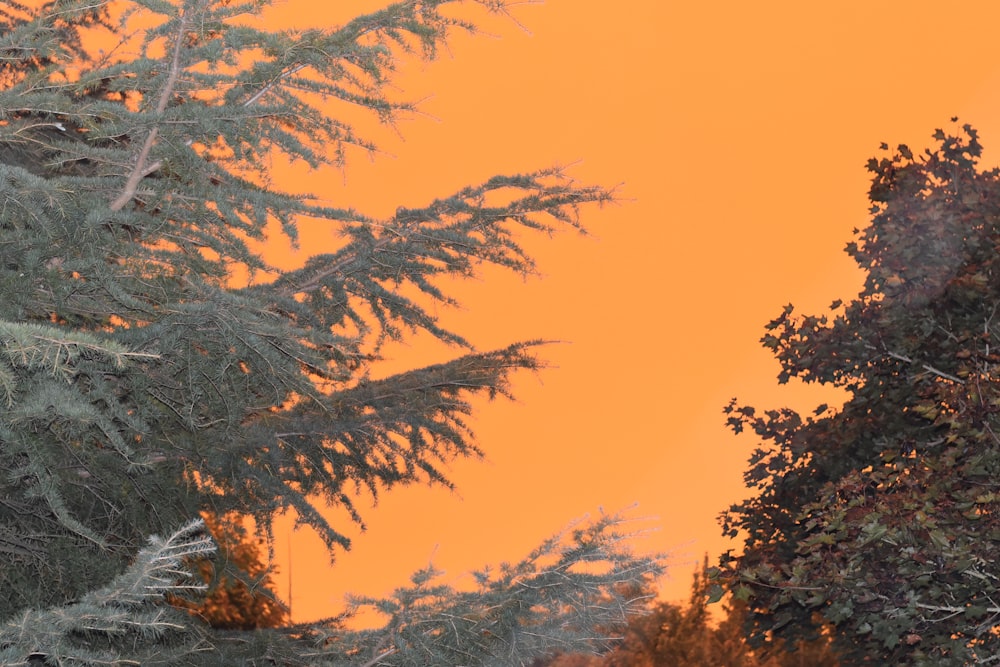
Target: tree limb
[(141, 170), (926, 367)]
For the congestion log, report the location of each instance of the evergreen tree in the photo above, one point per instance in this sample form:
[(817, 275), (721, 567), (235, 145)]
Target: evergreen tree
[(882, 516), (142, 385)]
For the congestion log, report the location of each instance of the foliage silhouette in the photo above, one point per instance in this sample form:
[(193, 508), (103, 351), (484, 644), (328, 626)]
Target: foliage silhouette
[(881, 516)]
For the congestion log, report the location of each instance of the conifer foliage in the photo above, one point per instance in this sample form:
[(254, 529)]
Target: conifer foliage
[(671, 635), (153, 366), (882, 516)]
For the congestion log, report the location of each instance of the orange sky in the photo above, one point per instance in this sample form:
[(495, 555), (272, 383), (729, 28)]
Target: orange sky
[(739, 132)]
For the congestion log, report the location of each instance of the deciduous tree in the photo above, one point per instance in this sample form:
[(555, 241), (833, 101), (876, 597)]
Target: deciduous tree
[(882, 515), (154, 365)]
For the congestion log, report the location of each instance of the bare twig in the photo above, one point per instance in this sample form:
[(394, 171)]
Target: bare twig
[(950, 610), (926, 367), (377, 659), (271, 84), (316, 281)]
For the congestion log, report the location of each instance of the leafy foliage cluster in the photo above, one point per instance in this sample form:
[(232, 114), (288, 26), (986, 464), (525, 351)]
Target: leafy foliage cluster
[(142, 386), (883, 516)]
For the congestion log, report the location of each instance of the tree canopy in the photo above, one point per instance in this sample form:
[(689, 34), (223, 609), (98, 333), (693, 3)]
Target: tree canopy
[(154, 366), (882, 515)]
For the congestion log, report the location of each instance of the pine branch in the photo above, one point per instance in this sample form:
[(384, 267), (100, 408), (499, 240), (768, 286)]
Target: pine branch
[(575, 592), (376, 435), (454, 230), (345, 43), (364, 282), (141, 169), (292, 71), (128, 617), (32, 345)]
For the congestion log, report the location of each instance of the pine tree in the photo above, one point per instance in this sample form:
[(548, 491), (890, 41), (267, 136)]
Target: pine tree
[(153, 365), (882, 516)]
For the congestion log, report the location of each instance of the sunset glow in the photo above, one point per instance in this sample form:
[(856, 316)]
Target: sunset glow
[(736, 134), (739, 135)]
